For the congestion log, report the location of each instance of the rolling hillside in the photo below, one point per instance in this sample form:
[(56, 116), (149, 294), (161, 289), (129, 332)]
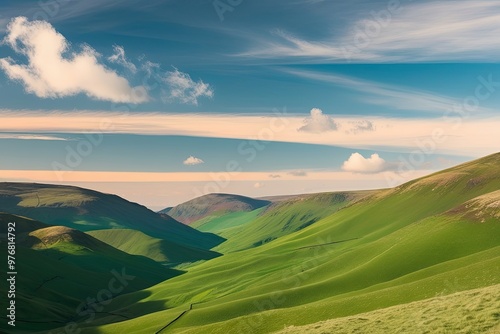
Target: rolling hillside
[(55, 266), (393, 247), (213, 205), (285, 217), (88, 210), (138, 243)]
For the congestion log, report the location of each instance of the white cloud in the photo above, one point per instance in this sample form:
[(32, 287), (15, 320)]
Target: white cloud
[(258, 185), (318, 122), (183, 89), (421, 31), (359, 164), (191, 161), (49, 73), (119, 58)]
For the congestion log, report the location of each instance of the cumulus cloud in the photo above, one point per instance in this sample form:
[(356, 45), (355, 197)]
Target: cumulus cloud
[(191, 161), (184, 89), (298, 173), (119, 58), (359, 164), (274, 176), (318, 122), (362, 126), (53, 70), (258, 185)]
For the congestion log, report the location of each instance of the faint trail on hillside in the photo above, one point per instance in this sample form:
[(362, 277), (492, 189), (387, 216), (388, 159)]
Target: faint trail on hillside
[(325, 244), (46, 281), (177, 318)]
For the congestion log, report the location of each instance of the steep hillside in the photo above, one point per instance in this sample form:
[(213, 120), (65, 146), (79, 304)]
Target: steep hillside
[(213, 205), (88, 210), (60, 268), (287, 216), (390, 248)]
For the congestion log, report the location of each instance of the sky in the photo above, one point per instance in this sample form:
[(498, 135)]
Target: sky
[(164, 101)]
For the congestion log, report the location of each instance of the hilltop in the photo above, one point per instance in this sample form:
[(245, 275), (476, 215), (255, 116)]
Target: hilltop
[(88, 210), (213, 205)]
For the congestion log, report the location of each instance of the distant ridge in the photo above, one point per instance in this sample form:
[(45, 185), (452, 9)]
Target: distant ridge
[(213, 205)]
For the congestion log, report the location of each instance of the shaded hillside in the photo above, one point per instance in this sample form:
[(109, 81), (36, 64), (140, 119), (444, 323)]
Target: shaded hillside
[(88, 210), (213, 205), (138, 243), (58, 268)]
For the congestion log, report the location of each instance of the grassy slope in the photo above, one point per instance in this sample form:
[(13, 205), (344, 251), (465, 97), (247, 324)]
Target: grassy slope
[(212, 206), (88, 210), (226, 225), (412, 242), (55, 265), (473, 311), (138, 243), (287, 217)]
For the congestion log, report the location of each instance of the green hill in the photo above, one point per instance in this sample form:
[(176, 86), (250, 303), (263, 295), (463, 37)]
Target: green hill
[(285, 217), (88, 210), (392, 247), (59, 268), (138, 243), (212, 206)]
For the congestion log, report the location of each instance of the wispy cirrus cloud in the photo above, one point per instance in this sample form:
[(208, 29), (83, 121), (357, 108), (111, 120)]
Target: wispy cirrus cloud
[(31, 137), (418, 32), (399, 97), (473, 137)]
